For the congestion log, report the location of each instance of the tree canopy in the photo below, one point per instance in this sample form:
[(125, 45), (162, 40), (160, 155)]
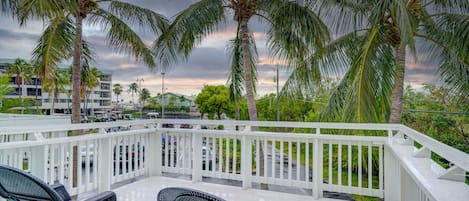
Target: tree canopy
[(214, 101)]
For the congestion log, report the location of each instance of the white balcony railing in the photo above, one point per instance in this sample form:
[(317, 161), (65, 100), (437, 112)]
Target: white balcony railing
[(324, 157)]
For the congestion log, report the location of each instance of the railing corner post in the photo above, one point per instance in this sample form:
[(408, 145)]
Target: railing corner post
[(392, 175), (197, 157), (105, 164), (317, 169), (246, 161), (153, 161)]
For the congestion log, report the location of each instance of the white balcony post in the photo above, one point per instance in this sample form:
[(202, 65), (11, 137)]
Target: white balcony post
[(246, 161), (196, 157), (317, 169), (105, 156), (392, 176), (153, 154), (39, 157)]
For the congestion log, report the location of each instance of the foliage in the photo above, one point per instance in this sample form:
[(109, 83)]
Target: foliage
[(5, 87), (144, 95), (22, 71), (117, 89), (440, 113), (373, 54), (214, 101), (293, 32), (63, 39), (17, 106)]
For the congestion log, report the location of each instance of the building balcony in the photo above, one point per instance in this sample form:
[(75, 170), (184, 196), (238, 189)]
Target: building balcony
[(138, 158)]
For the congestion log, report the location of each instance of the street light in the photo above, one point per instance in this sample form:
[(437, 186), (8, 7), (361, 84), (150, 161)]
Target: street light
[(162, 94)]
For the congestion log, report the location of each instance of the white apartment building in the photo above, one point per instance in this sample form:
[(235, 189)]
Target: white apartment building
[(99, 100)]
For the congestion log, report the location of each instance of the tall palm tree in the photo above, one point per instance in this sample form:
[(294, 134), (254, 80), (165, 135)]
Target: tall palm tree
[(59, 80), (133, 89), (144, 96), (294, 30), (90, 77), (63, 38), (22, 71), (117, 89), (374, 53)]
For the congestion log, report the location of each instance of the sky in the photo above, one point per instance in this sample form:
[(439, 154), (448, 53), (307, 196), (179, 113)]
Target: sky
[(207, 65)]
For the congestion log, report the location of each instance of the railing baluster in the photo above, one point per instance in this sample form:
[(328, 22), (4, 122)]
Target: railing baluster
[(360, 165), (370, 167), (227, 156), (281, 159), (339, 164), (380, 152), (61, 163), (290, 158), (298, 163), (264, 148), (330, 163), (273, 158), (235, 145), (257, 157), (213, 152), (220, 155), (349, 169), (307, 161)]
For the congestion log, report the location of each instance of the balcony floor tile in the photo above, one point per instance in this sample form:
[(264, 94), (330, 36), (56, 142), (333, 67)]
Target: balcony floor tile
[(147, 190)]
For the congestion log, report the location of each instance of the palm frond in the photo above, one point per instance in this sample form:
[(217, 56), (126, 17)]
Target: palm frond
[(43, 9), (364, 93), (295, 31), (54, 46), (122, 37), (137, 15), (188, 29), (458, 6), (342, 16)]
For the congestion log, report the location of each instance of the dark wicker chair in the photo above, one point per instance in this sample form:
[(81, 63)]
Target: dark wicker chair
[(184, 194), (16, 184)]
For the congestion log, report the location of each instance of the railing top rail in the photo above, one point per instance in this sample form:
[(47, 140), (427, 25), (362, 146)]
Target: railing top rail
[(455, 156), (279, 124), (24, 144)]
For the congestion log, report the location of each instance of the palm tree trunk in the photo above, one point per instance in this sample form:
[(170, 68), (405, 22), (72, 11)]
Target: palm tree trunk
[(250, 91), (398, 88), (76, 69)]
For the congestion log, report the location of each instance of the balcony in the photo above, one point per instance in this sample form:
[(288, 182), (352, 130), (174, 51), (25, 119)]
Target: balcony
[(137, 158)]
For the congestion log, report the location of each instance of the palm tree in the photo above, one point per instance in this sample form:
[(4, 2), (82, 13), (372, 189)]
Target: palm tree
[(118, 89), (63, 38), (59, 80), (144, 96), (22, 71), (89, 80), (374, 53), (294, 30), (133, 89)]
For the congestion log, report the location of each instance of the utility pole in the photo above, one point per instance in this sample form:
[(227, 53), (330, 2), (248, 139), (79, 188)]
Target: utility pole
[(162, 94), (140, 91), (278, 100)]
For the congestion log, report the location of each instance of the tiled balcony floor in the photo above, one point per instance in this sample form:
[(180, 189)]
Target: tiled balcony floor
[(147, 190)]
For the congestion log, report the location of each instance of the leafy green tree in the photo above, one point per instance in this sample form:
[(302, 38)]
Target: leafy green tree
[(144, 96), (440, 113), (5, 87), (117, 89), (375, 52), (214, 101), (22, 71), (63, 39), (294, 30)]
